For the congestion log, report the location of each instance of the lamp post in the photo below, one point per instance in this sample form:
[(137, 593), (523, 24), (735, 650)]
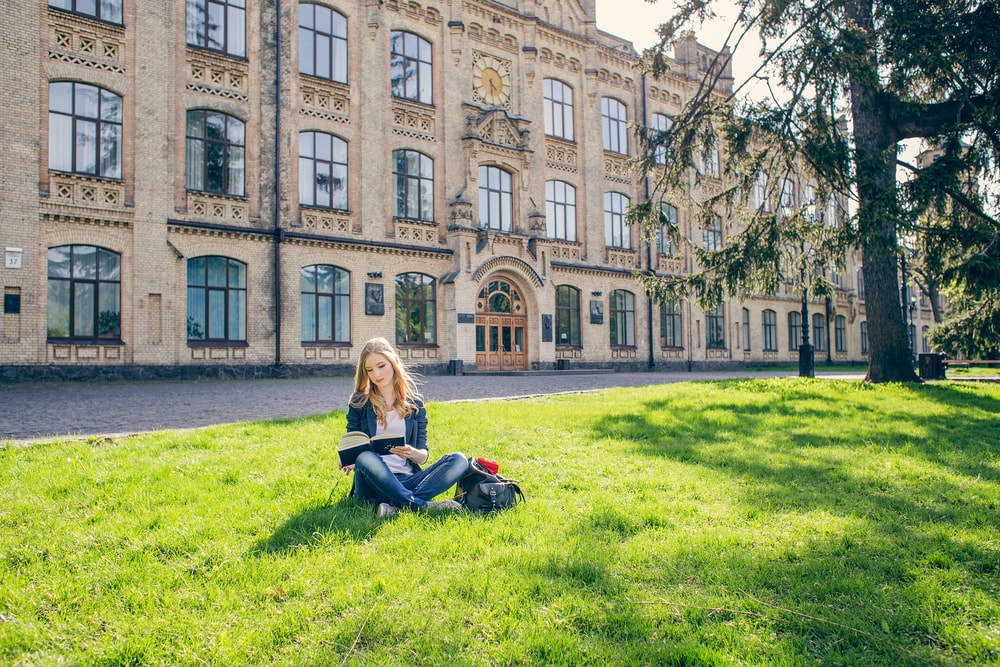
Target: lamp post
[(807, 367)]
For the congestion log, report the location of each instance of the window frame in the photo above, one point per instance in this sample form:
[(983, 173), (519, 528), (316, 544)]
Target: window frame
[(413, 182), (340, 306), (769, 330), (98, 15), (840, 333), (336, 169), (233, 12), (711, 234), (864, 338), (234, 301), (621, 318), (614, 125), (664, 244), (76, 287), (568, 316), (412, 54), (423, 296), (553, 103), (616, 206), (77, 137), (671, 323), (560, 210), (660, 123), (794, 330), (715, 328), (337, 37), (228, 146), (502, 195), (819, 332)]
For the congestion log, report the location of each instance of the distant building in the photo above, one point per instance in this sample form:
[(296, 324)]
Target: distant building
[(214, 186)]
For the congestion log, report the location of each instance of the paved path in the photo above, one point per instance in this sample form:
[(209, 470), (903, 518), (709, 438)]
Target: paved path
[(43, 411)]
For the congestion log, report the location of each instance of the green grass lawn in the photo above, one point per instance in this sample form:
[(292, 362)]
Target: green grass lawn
[(757, 522)]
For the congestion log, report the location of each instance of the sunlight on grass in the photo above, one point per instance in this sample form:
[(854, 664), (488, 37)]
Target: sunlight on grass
[(780, 521)]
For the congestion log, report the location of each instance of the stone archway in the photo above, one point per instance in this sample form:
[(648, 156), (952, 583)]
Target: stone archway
[(501, 326)]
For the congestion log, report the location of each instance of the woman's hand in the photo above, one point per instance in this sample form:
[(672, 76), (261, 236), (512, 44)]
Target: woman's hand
[(409, 453), (346, 469)]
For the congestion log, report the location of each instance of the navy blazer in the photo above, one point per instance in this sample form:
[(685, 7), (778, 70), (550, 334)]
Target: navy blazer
[(363, 419)]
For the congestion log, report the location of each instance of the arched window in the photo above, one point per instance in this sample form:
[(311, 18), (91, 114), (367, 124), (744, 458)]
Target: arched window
[(85, 129), (715, 327), (819, 332), (614, 123), (769, 328), (622, 318), (794, 330), (216, 299), (660, 123), (615, 231), (413, 185), (325, 294), (558, 109), (496, 199), (840, 328), (84, 292), (219, 25), (411, 68), (416, 309), (215, 155), (102, 10), (322, 170), (567, 316), (560, 210), (670, 324), (322, 42)]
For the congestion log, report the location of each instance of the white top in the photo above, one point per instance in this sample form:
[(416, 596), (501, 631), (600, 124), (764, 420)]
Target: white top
[(395, 425)]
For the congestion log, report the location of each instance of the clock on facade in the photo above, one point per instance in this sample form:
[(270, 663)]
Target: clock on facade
[(491, 80)]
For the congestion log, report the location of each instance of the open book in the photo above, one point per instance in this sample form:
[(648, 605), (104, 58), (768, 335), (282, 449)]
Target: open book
[(355, 442)]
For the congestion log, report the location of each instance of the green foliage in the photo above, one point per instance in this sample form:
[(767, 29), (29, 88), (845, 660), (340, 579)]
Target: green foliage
[(742, 522)]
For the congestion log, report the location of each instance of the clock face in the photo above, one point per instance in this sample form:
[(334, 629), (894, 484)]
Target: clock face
[(491, 81)]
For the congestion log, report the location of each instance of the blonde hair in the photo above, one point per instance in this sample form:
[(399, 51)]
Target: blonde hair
[(403, 382)]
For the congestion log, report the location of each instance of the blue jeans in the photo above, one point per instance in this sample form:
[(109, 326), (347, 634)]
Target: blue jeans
[(373, 481)]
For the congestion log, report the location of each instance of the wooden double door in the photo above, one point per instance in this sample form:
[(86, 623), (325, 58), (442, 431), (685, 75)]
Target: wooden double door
[(501, 328)]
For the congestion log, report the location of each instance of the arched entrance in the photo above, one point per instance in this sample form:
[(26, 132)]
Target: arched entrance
[(501, 327)]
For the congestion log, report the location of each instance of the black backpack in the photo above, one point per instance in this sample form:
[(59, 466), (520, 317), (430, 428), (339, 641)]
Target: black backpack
[(482, 491)]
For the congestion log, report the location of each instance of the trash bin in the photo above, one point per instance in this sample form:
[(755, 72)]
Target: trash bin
[(931, 366)]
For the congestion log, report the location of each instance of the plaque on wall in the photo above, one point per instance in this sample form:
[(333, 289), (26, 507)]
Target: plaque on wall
[(466, 318), (374, 303), (546, 328), (596, 311)]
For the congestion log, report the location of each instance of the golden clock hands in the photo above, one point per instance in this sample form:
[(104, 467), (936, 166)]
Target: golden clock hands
[(493, 86)]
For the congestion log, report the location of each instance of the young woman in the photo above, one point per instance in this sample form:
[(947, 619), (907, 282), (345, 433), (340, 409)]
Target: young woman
[(385, 400)]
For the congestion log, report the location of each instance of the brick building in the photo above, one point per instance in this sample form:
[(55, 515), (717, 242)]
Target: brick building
[(206, 186)]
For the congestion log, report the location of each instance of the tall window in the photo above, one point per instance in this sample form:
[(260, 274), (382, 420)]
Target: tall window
[(322, 43), (864, 338), (215, 160), (413, 185), (769, 327), (416, 309), (925, 344), (760, 200), (567, 315), (670, 324), (664, 243), (840, 329), (615, 232), (614, 122), (84, 299), (102, 10), (660, 123), (217, 299), (711, 234), (220, 25), (819, 332), (326, 304), (558, 109), (861, 284), (322, 170), (85, 129), (410, 67), (794, 330), (787, 193), (560, 210), (708, 163), (745, 330), (496, 199), (622, 318), (715, 327)]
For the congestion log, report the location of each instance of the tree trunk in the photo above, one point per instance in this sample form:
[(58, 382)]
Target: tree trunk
[(889, 357)]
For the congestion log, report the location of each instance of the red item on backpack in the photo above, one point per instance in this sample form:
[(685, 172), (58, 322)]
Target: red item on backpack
[(491, 466)]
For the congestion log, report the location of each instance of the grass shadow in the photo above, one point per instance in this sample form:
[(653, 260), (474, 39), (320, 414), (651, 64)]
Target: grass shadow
[(345, 519)]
